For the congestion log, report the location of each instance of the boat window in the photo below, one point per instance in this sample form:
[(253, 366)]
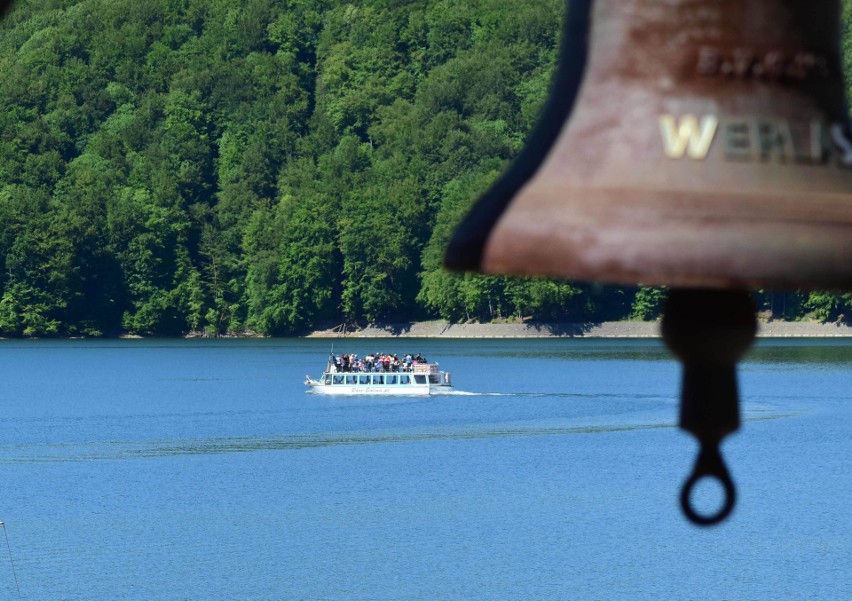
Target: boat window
[(351, 380), (378, 380), (433, 379), (363, 379), (405, 379), (328, 379), (390, 379), (419, 379), (338, 380)]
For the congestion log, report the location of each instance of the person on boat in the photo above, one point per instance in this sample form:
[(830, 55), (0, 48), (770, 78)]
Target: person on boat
[(377, 362)]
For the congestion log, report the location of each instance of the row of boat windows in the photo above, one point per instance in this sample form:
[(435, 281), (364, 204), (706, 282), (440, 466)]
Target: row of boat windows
[(380, 379)]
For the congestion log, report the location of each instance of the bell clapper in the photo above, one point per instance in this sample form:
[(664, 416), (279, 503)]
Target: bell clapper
[(709, 331)]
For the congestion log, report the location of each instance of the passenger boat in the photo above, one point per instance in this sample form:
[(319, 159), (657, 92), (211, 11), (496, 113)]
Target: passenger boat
[(422, 379)]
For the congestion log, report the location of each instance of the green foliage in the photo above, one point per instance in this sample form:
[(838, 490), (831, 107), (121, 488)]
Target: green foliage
[(291, 265), (828, 306), (217, 166), (40, 276), (648, 303)]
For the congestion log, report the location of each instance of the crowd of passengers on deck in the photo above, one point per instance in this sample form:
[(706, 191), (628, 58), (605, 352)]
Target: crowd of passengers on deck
[(380, 362)]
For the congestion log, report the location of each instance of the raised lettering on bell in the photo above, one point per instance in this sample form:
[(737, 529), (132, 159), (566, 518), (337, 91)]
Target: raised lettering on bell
[(755, 139)]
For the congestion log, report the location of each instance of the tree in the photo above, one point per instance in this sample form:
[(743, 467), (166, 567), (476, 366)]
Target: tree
[(41, 276), (648, 303), (827, 306), (218, 166)]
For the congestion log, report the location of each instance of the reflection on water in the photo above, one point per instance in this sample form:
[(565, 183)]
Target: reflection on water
[(579, 350), (831, 351), (807, 352)]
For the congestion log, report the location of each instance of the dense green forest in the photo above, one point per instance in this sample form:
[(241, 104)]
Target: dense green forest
[(227, 166)]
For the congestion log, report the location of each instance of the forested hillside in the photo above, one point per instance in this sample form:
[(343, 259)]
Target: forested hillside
[(220, 166)]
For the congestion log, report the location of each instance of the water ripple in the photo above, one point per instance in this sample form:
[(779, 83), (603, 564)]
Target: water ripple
[(122, 450)]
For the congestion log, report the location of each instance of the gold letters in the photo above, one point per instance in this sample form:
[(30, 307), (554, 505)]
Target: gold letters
[(687, 136), (840, 137), (737, 139), (756, 139)]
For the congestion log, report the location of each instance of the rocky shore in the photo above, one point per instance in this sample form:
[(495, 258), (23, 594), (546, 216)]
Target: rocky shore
[(613, 329)]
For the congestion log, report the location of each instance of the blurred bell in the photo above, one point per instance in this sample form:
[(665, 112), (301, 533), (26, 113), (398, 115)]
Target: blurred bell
[(692, 143), (708, 146)]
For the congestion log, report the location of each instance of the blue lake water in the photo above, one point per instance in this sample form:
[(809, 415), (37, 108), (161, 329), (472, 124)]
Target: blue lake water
[(201, 470)]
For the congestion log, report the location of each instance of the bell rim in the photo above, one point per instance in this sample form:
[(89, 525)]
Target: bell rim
[(671, 238)]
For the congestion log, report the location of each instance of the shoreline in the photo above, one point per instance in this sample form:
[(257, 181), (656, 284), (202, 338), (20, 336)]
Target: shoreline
[(611, 329), (441, 329)]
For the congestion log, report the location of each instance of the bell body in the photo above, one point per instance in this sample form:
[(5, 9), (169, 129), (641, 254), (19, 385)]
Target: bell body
[(708, 145)]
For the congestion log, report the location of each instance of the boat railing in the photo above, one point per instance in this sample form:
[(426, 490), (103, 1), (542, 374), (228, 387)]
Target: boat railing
[(418, 368)]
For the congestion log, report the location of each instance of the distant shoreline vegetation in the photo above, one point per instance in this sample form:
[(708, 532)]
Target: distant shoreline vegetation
[(266, 166), (623, 330)]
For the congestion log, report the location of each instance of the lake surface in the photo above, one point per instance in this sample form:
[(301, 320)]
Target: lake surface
[(201, 470)]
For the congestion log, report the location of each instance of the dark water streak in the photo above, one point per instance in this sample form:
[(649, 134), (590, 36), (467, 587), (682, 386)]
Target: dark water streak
[(124, 450)]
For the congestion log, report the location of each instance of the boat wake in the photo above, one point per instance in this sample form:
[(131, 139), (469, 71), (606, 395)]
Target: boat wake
[(512, 394), (571, 395)]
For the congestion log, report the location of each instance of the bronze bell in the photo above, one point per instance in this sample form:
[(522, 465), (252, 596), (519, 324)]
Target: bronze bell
[(708, 145), (690, 143)]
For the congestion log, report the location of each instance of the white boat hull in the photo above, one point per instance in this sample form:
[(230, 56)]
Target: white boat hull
[(410, 390), (422, 381)]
